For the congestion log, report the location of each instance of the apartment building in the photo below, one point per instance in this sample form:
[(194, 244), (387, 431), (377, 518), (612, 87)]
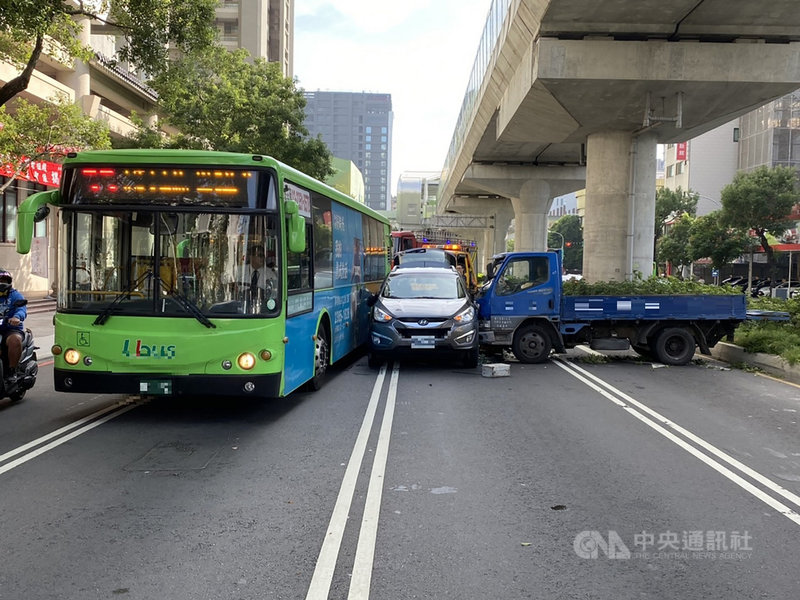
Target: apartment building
[(112, 92), (265, 28)]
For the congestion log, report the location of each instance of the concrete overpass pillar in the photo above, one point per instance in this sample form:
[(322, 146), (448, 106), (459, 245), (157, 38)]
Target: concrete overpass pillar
[(620, 206), (502, 221), (605, 225), (530, 215), (81, 80), (644, 204)]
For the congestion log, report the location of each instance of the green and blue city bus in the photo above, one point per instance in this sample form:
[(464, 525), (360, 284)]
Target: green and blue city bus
[(153, 296)]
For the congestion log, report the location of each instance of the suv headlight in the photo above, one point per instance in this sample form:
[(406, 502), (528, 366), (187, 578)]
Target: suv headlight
[(381, 315), (465, 316)]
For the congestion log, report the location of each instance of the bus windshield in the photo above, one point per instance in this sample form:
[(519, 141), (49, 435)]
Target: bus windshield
[(171, 263)]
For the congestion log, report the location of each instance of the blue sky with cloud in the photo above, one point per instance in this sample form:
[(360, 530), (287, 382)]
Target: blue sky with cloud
[(419, 51)]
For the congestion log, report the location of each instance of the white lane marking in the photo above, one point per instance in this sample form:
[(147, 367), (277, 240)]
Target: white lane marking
[(768, 483), (93, 421), (365, 551), (326, 561), (744, 484)]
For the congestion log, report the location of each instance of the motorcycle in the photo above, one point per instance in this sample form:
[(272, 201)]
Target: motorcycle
[(28, 367)]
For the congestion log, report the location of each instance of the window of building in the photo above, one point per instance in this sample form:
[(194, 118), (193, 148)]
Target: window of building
[(670, 170), (9, 215)]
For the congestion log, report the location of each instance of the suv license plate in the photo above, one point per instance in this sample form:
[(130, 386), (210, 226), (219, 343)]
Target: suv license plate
[(423, 341)]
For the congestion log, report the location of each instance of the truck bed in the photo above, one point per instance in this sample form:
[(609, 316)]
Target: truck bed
[(679, 308)]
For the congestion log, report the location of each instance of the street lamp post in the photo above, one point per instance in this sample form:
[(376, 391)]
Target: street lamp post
[(559, 235)]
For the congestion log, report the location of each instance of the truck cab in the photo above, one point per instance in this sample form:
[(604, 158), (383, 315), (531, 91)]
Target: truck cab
[(519, 305)]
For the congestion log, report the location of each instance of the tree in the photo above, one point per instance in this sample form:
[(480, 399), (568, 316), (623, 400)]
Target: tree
[(570, 228), (708, 238), (222, 101), (761, 201), (152, 29), (671, 204), (673, 247), (46, 132)]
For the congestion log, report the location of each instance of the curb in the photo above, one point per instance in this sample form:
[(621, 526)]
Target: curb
[(769, 363)]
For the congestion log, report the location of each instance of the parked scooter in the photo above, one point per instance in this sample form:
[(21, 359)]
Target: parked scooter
[(28, 367)]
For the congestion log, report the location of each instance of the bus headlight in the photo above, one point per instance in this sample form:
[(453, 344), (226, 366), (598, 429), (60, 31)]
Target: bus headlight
[(246, 361), (72, 356)]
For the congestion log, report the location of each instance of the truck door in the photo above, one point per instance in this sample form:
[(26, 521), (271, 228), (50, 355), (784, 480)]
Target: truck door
[(525, 286)]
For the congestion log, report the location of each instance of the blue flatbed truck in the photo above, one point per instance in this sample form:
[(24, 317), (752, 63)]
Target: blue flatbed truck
[(522, 307)]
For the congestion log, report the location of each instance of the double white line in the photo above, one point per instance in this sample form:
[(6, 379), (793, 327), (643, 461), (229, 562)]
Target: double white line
[(39, 446), (669, 429), (365, 551)]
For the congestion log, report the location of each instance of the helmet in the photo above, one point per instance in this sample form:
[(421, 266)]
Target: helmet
[(5, 282)]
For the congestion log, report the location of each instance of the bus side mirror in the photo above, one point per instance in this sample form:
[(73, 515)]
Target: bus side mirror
[(296, 227), (41, 214), (33, 209)]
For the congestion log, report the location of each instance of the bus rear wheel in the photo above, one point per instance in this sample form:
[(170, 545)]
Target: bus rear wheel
[(321, 358)]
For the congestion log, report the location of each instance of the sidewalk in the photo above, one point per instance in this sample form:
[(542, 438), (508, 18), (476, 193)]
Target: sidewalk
[(41, 324)]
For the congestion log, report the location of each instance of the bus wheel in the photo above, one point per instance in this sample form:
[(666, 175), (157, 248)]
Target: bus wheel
[(675, 346), (321, 357), (531, 344), (374, 360)]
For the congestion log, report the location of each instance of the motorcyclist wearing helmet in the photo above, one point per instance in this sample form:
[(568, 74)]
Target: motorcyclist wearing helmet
[(12, 329)]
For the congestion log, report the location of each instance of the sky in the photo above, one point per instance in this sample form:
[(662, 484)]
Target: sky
[(419, 51)]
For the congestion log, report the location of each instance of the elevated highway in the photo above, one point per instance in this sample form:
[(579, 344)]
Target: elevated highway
[(567, 94)]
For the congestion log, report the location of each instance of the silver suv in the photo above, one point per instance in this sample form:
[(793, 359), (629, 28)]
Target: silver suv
[(422, 310)]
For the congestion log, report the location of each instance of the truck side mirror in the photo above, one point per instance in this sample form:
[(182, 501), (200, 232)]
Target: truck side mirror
[(489, 270)]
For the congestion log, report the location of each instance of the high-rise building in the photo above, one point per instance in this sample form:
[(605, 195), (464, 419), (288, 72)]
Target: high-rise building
[(357, 127), (265, 28), (767, 136), (703, 165)]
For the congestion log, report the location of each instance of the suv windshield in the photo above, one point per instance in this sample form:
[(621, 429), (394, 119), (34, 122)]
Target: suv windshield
[(419, 284)]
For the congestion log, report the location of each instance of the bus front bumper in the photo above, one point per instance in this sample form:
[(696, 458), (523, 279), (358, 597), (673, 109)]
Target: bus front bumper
[(160, 384)]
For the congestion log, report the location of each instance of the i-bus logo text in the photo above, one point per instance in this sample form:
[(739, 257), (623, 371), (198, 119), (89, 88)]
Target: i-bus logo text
[(141, 350)]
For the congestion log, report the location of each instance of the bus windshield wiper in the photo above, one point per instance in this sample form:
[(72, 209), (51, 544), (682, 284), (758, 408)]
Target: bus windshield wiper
[(126, 293), (187, 304)]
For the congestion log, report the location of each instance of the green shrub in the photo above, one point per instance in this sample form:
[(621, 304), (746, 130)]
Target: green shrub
[(653, 286)]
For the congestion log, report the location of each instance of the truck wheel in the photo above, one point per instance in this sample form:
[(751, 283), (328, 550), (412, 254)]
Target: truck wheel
[(675, 346), (531, 344)]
